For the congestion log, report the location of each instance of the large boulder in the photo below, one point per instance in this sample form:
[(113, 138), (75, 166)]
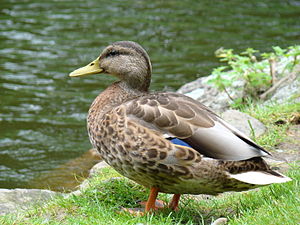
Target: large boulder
[(210, 96), (286, 92), (13, 200), (219, 101), (244, 123)]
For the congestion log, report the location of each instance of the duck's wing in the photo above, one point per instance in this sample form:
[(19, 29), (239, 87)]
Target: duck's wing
[(178, 116)]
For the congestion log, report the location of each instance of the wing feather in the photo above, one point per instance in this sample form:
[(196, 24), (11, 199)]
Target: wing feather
[(176, 115)]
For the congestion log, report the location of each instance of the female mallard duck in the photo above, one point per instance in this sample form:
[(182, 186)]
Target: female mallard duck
[(167, 141)]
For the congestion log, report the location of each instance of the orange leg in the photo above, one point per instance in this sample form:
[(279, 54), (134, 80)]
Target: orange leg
[(150, 205), (174, 203)]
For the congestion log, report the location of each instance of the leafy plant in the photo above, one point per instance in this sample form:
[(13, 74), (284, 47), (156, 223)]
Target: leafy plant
[(258, 76)]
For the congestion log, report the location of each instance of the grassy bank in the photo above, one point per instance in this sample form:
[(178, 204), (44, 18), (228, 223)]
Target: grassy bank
[(101, 201)]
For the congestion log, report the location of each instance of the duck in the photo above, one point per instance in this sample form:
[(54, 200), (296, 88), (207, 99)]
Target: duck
[(165, 141)]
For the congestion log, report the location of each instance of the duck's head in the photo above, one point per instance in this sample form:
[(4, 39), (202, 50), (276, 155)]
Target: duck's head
[(126, 60)]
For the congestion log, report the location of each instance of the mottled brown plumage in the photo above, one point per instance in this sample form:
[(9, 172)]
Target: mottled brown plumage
[(132, 129)]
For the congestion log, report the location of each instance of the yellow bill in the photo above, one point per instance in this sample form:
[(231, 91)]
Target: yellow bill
[(91, 68)]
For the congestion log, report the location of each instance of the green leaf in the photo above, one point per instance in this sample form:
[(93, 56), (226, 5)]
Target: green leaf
[(279, 51)]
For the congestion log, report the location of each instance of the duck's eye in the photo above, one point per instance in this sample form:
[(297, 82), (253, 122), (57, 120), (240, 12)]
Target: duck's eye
[(112, 53)]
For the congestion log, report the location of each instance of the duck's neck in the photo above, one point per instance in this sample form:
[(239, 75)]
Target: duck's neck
[(112, 96), (137, 82)]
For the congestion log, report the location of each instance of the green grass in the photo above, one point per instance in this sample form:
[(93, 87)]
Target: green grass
[(100, 204), (276, 117), (101, 201)]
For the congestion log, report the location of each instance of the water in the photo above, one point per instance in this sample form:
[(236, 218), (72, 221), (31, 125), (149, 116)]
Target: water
[(42, 110)]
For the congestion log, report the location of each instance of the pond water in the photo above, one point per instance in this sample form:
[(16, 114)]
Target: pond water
[(42, 110)]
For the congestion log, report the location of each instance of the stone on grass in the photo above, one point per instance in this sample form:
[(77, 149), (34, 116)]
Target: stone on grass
[(13, 200), (220, 221), (97, 168), (244, 123), (86, 183)]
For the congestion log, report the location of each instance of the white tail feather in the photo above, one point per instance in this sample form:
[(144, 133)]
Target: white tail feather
[(260, 178)]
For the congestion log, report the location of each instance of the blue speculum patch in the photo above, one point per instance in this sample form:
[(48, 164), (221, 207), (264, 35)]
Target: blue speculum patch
[(177, 141)]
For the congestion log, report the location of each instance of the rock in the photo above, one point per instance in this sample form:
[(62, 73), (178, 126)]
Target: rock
[(220, 221), (242, 122), (86, 183), (208, 95), (97, 168), (284, 93), (219, 101), (82, 187), (12, 200)]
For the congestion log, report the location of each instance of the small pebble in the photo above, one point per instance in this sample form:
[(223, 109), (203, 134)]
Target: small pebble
[(220, 221)]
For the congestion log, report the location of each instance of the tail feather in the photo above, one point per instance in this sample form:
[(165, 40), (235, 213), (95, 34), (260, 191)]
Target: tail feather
[(261, 177)]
